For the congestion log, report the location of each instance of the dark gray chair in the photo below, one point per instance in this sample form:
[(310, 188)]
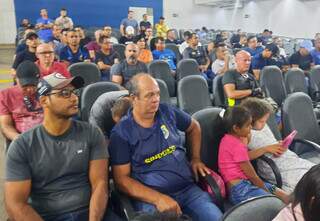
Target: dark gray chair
[(187, 67), (298, 114), (263, 208), (88, 71), (90, 95), (272, 83), (161, 70), (193, 94), (295, 81), (315, 83), (120, 49), (219, 98), (176, 51), (164, 93)]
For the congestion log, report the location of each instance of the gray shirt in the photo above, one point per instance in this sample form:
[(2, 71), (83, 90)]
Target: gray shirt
[(130, 22), (127, 71), (58, 166)]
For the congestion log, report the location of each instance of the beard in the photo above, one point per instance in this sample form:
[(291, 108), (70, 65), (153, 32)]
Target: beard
[(132, 59)]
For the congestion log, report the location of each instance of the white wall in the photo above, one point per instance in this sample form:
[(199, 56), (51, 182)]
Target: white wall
[(291, 18), (7, 22)]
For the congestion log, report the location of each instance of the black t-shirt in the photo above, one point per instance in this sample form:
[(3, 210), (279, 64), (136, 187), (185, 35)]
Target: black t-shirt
[(304, 62), (199, 54), (25, 55), (124, 40), (168, 41), (145, 24), (241, 82), (106, 59)]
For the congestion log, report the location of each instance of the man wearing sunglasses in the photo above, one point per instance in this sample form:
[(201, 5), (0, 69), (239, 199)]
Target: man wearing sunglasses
[(19, 108), (60, 165), (46, 63)]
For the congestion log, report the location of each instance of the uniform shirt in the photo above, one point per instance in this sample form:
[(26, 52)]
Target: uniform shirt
[(241, 82), (58, 166), (66, 54), (166, 55), (254, 52), (156, 154), (259, 62), (315, 56), (25, 55), (304, 62), (11, 103), (199, 54), (45, 34), (59, 67), (107, 59), (162, 30), (127, 71)]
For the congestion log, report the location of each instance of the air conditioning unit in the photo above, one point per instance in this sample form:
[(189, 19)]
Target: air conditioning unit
[(227, 4)]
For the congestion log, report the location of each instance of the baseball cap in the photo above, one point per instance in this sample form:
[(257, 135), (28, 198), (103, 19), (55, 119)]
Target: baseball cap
[(130, 30), (28, 73), (31, 34), (307, 44), (56, 81)]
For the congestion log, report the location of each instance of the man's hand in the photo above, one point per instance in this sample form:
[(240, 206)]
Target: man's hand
[(165, 203), (199, 167)]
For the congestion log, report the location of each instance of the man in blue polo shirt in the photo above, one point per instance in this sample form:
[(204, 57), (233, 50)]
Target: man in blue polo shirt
[(259, 61), (73, 52), (148, 160), (165, 54), (44, 24), (253, 47)]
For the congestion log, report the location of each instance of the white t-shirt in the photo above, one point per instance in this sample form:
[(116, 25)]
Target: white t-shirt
[(218, 65)]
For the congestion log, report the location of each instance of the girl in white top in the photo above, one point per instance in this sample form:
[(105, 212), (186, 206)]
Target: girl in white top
[(263, 142), (306, 199)]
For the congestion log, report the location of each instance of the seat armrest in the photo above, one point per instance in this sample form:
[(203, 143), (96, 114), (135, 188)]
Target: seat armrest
[(122, 205), (274, 169), (308, 142)]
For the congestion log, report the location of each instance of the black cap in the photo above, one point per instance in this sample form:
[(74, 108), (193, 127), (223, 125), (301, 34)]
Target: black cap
[(31, 34), (28, 73)]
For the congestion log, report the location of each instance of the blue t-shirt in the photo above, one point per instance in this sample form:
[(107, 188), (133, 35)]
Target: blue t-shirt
[(254, 52), (258, 62), (67, 55), (315, 56), (166, 55), (156, 154), (45, 34)]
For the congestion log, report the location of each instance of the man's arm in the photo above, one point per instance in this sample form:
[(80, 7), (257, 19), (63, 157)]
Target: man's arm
[(193, 134), (103, 66), (121, 175), (117, 79), (8, 128), (98, 176), (122, 29), (231, 92), (16, 197), (256, 73)]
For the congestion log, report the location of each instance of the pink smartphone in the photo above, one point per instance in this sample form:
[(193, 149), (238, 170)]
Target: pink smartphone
[(288, 140)]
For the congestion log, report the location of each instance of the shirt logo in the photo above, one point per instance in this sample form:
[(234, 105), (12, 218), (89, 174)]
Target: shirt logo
[(165, 131), (79, 151), (160, 155)]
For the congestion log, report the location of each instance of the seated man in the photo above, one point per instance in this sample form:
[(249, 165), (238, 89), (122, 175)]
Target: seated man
[(58, 170), (259, 61), (19, 108), (239, 83), (171, 37), (73, 52), (253, 47), (128, 67), (224, 61), (93, 46), (165, 54), (46, 63), (302, 58), (148, 160), (106, 57)]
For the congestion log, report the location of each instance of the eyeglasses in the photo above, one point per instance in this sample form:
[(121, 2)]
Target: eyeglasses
[(46, 52), (66, 93), (134, 51)]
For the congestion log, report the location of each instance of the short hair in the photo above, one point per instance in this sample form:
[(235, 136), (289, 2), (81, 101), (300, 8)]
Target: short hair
[(235, 116), (251, 37), (157, 216), (102, 37), (170, 30), (133, 84), (144, 15), (63, 9), (158, 39), (186, 34), (129, 11), (258, 108), (121, 107)]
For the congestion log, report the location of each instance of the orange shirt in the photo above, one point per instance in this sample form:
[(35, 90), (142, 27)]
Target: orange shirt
[(145, 56)]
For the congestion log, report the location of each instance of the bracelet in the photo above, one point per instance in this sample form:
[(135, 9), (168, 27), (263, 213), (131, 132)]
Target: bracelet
[(271, 188)]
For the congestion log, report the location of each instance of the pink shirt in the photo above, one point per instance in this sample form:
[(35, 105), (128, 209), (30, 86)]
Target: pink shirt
[(59, 67), (11, 103), (286, 214), (231, 153)]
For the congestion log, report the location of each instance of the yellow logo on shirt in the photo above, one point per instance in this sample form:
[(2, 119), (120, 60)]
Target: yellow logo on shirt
[(158, 156), (165, 131)]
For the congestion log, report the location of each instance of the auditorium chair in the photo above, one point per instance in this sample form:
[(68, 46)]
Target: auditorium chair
[(219, 98), (187, 67), (298, 114), (164, 93), (120, 49), (315, 83), (176, 51), (193, 94), (295, 81), (88, 71)]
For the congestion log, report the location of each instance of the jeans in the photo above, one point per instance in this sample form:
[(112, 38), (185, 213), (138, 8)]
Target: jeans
[(83, 215), (245, 190), (193, 202)]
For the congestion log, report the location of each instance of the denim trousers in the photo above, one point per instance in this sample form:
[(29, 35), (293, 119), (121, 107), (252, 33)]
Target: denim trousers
[(193, 202), (245, 190)]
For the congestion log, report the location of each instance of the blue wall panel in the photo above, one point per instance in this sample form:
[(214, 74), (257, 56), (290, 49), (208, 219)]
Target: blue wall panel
[(85, 12)]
